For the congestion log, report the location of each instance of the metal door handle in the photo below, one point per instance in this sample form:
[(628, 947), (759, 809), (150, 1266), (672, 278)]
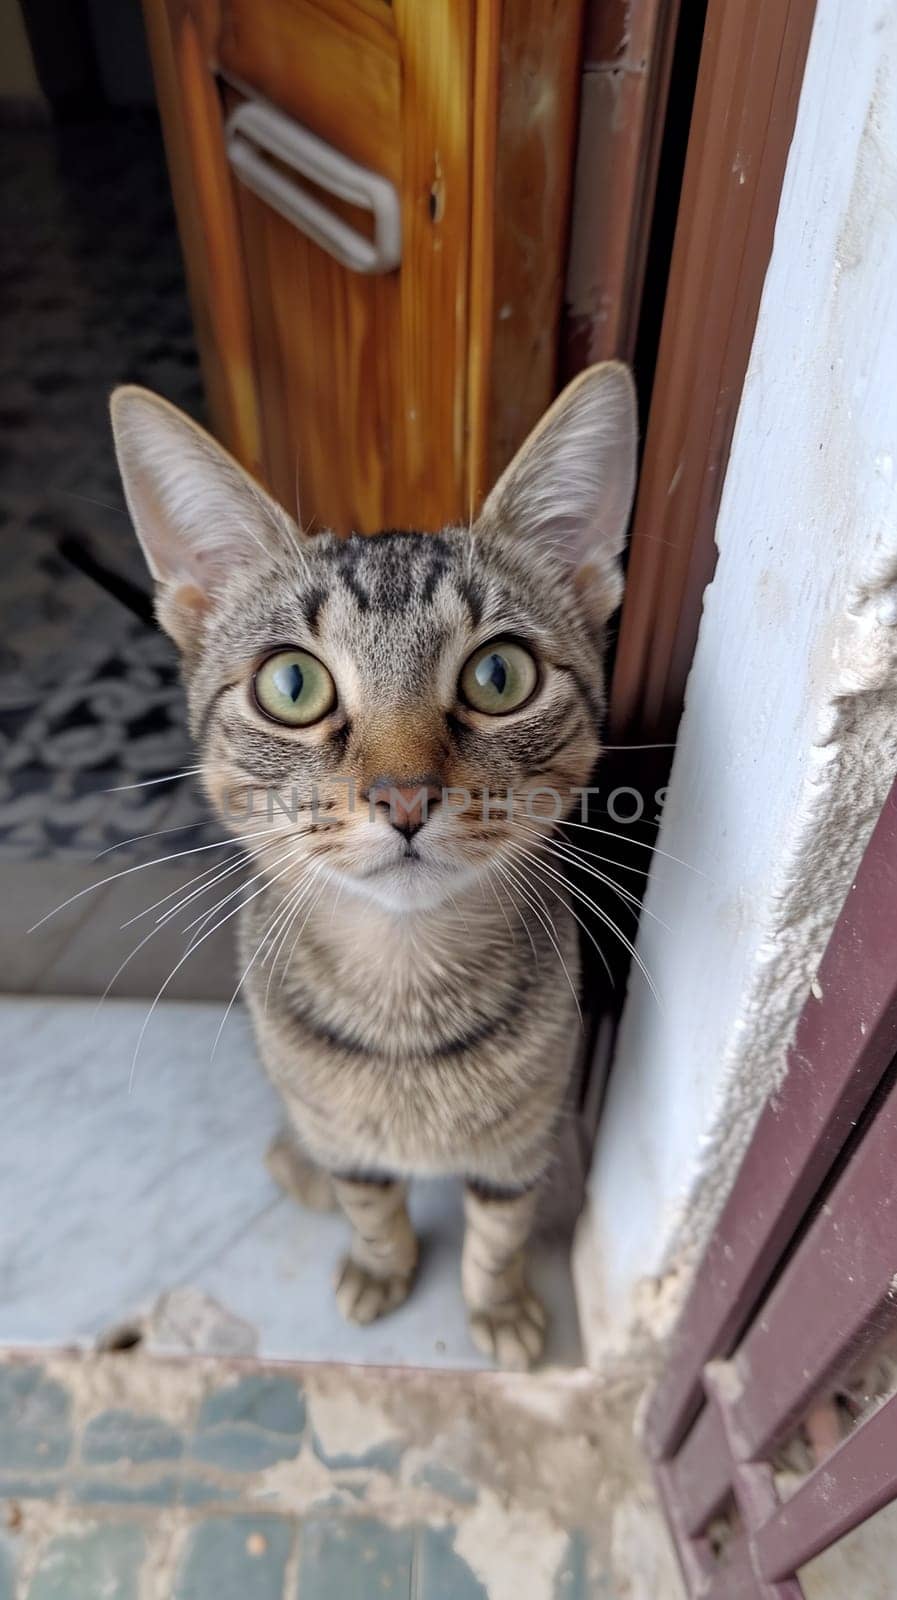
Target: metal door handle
[(256, 130)]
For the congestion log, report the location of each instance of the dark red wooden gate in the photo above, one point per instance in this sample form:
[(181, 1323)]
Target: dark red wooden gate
[(798, 1282)]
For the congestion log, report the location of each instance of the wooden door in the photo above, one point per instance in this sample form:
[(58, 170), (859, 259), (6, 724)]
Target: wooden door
[(391, 399)]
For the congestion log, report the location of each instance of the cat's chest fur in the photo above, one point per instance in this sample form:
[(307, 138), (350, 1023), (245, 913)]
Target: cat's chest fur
[(411, 1042)]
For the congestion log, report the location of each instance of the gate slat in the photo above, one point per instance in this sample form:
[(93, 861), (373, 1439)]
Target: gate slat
[(737, 1580), (835, 1299), (696, 1558), (843, 1044), (855, 1482), (701, 1474)]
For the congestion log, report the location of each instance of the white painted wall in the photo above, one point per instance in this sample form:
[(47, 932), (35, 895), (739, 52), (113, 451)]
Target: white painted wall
[(789, 739)]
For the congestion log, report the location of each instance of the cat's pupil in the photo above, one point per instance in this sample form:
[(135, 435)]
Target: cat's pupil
[(492, 673), (289, 681)]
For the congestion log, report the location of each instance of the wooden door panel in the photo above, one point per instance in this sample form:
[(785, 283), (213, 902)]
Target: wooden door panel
[(327, 403), (337, 72), (391, 401), (437, 139), (182, 45), (362, 379)]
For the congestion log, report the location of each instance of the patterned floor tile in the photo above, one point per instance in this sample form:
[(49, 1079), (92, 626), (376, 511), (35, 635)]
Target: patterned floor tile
[(237, 1558), (92, 295), (133, 1508)]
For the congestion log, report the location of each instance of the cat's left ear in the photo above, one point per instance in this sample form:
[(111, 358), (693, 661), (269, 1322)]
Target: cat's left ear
[(197, 514), (569, 489)]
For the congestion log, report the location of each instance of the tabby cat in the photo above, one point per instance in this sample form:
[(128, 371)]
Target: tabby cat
[(399, 721)]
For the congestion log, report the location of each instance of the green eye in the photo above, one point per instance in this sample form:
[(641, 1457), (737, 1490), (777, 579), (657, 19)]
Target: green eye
[(499, 677), (295, 688)]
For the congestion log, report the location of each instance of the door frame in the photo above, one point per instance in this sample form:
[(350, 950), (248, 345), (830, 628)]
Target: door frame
[(749, 81)]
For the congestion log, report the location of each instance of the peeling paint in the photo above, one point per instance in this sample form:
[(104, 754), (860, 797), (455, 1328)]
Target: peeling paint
[(188, 1319), (513, 1552)]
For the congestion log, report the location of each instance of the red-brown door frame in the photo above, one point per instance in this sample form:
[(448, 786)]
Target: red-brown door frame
[(749, 79)]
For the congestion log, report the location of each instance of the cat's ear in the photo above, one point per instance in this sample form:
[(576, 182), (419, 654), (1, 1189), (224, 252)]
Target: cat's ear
[(197, 514), (569, 488)]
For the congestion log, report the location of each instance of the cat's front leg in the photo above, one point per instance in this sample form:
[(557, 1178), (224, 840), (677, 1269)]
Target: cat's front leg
[(376, 1275), (297, 1175), (507, 1321)]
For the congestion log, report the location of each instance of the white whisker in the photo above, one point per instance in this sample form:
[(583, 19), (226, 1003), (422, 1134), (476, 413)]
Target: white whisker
[(140, 866), (157, 833), (205, 916), (177, 967), (293, 902), (334, 903), (172, 912), (543, 868), (159, 923), (582, 861), (215, 875), (251, 963), (285, 965), (609, 861), (523, 922), (459, 913), (90, 500), (587, 931), (608, 833), (298, 506), (297, 898), (268, 554), (544, 917), (183, 889), (149, 783)]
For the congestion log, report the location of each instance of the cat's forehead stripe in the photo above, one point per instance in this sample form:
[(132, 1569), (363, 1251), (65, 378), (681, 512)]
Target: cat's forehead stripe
[(388, 571), (311, 602)]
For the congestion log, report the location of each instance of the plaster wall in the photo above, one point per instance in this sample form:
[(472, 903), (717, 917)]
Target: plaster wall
[(789, 740)]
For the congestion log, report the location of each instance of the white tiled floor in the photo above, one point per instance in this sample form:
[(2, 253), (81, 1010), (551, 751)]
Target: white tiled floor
[(110, 1199)]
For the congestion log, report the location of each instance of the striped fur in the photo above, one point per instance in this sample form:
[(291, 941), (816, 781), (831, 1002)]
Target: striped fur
[(413, 1008)]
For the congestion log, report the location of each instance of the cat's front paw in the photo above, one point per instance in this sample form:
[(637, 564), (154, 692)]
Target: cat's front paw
[(513, 1333), (362, 1297)]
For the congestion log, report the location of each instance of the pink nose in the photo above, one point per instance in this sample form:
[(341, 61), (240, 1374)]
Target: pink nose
[(409, 804)]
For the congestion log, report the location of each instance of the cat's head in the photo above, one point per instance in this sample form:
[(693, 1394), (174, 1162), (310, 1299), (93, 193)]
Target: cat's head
[(403, 713)]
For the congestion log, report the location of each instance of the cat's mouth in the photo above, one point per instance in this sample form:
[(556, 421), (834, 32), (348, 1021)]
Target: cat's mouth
[(408, 859), (412, 876)]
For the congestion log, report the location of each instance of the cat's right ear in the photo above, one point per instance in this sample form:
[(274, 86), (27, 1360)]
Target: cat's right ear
[(569, 488), (197, 514)]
